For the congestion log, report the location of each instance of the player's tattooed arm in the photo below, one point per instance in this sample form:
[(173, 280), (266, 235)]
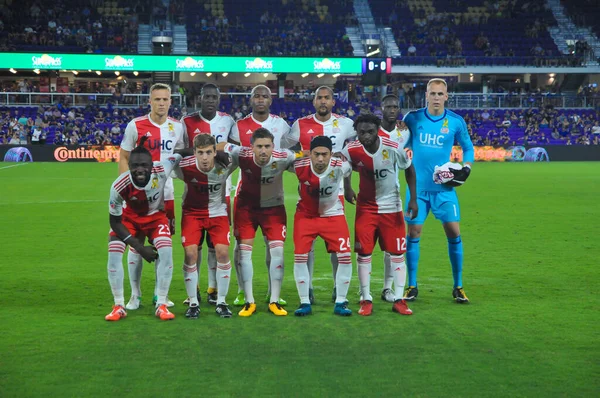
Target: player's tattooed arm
[(147, 252)]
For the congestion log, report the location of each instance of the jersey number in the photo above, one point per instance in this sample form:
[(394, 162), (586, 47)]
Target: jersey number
[(163, 229), (401, 244), (344, 244), (283, 231)]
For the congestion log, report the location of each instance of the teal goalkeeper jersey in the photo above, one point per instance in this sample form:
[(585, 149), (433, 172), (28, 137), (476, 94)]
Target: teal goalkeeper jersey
[(431, 140)]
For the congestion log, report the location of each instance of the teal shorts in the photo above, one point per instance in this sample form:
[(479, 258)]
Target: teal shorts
[(443, 205)]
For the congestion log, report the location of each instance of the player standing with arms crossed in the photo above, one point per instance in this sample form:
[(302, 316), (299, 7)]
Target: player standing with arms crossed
[(433, 132), (165, 134)]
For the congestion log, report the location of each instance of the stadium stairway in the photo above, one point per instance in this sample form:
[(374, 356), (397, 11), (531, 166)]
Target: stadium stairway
[(567, 30), (145, 39), (180, 40), (353, 33)]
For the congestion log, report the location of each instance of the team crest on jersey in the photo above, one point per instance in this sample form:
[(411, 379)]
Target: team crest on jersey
[(273, 165), (444, 129), (154, 182), (222, 129)]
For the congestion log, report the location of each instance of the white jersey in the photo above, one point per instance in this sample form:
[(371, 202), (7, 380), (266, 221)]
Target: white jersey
[(319, 192), (397, 135), (260, 186), (163, 140), (204, 193), (141, 201), (379, 190), (243, 129), (219, 127), (338, 128)]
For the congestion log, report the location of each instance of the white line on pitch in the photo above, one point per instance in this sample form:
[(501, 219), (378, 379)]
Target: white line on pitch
[(14, 165)]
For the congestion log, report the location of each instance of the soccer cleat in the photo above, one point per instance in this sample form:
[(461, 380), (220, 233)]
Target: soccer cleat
[(388, 295), (117, 313), (459, 295), (133, 303), (212, 296), (334, 295), (401, 307), (280, 301), (342, 309), (311, 296), (163, 313), (366, 308), (240, 300), (248, 310), (223, 310), (277, 309), (303, 310), (169, 302), (193, 312), (411, 293)]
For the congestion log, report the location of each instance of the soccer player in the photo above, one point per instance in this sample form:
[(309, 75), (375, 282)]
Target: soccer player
[(219, 125), (395, 130), (142, 188), (241, 134), (323, 122), (205, 209), (260, 203), (320, 212), (379, 207), (165, 134), (434, 130)]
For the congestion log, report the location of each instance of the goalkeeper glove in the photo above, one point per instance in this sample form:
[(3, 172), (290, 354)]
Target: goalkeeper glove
[(460, 176)]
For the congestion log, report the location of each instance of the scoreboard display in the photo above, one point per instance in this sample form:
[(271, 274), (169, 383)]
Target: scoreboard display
[(375, 71)]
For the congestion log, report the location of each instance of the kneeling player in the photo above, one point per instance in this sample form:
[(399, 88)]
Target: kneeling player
[(319, 212), (205, 209), (142, 188), (379, 207)]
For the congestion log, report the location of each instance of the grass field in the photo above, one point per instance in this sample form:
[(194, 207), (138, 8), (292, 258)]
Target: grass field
[(530, 234)]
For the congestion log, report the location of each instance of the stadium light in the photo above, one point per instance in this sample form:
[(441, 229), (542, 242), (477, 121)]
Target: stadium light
[(374, 52), (552, 74), (209, 74), (225, 74), (36, 71), (75, 72), (117, 73), (320, 75), (335, 75), (89, 70), (246, 74), (304, 74), (12, 70), (193, 74), (98, 73), (265, 74), (135, 73)]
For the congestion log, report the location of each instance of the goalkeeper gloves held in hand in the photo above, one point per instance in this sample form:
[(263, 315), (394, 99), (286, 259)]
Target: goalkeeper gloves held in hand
[(451, 174)]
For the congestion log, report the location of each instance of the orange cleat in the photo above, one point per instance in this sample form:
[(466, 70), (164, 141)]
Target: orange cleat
[(401, 307), (163, 313), (116, 314), (366, 308)]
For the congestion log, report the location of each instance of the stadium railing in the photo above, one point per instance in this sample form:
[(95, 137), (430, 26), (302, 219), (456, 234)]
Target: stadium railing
[(82, 99)]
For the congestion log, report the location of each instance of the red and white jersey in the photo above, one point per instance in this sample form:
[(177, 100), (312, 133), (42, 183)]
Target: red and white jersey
[(379, 190), (204, 193), (194, 124), (260, 186), (338, 128), (243, 129), (141, 201), (319, 193), (398, 136), (163, 140)]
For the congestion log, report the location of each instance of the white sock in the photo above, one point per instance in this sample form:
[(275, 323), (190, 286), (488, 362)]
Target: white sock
[(276, 274), (156, 277), (247, 271), (388, 275), (164, 268), (190, 279), (334, 264), (311, 264), (364, 276), (398, 269), (199, 264), (135, 264), (212, 268), (238, 266), (268, 264), (301, 276), (115, 270), (343, 276), (223, 278)]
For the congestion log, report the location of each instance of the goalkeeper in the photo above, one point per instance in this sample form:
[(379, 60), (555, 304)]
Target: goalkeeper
[(433, 131)]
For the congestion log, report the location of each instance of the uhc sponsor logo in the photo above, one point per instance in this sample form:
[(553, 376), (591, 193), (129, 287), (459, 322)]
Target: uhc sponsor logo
[(46, 60), (118, 62), (189, 63)]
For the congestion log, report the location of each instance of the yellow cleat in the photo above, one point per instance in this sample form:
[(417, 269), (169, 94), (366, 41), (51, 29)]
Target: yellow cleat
[(277, 309), (248, 310)]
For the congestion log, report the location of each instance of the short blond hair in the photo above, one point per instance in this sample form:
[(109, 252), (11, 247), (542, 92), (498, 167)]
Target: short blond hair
[(437, 80), (160, 86)]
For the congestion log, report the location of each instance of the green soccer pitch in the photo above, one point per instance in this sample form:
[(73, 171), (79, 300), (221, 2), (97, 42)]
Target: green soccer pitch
[(530, 233)]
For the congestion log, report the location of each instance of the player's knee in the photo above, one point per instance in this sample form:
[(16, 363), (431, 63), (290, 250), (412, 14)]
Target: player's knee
[(191, 254), (222, 253), (414, 231)]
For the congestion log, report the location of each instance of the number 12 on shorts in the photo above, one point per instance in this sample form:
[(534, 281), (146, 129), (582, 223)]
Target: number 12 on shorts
[(401, 244)]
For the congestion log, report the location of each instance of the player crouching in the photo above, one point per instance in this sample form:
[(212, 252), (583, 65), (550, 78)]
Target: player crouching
[(142, 188)]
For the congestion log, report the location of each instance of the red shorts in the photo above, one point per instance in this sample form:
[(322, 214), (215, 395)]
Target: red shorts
[(333, 230), (271, 220), (388, 228), (192, 228), (150, 227), (170, 210)]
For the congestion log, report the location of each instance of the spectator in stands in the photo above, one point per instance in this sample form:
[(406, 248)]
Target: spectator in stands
[(14, 140), (412, 50)]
